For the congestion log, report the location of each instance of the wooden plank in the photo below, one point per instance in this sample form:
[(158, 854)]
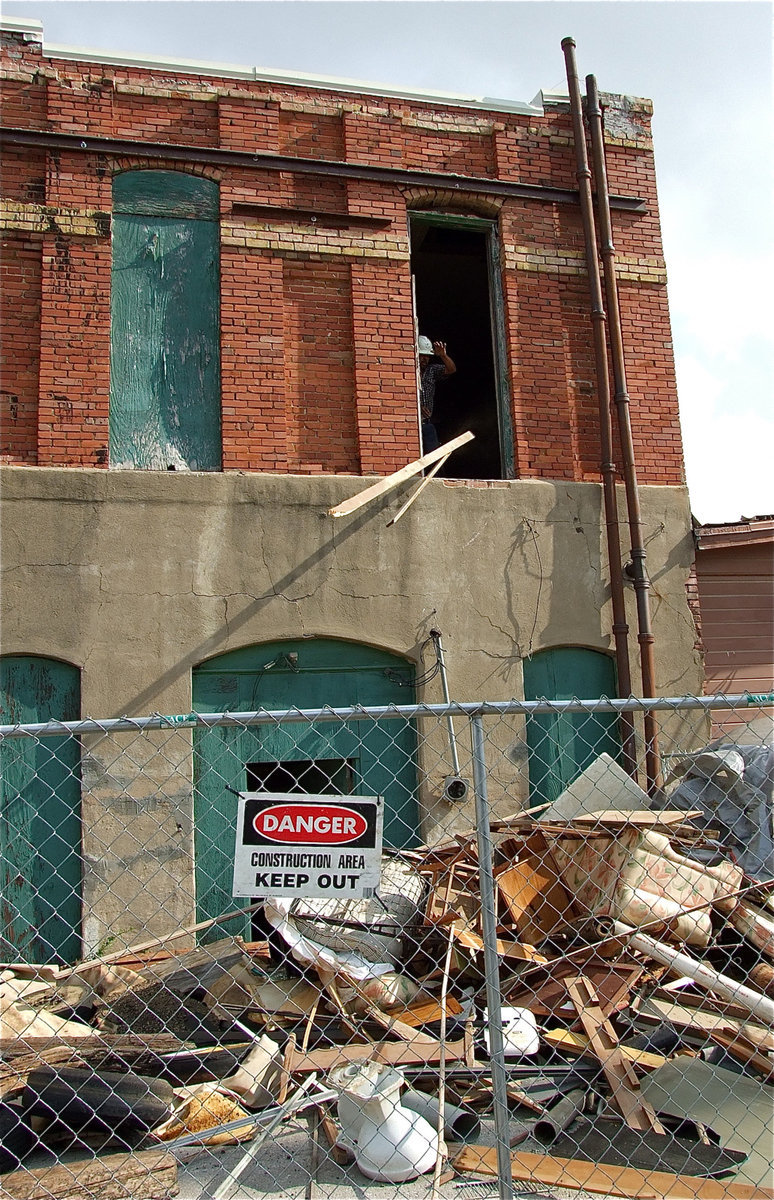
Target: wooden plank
[(414, 495), (145, 1174), (605, 1179), (422, 1012), (603, 1043), (391, 481), (576, 1043), (700, 1022), (650, 819), (395, 1053)]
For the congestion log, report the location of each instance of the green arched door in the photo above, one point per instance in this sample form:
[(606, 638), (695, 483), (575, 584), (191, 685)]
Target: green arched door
[(367, 757), (40, 822), (561, 745)]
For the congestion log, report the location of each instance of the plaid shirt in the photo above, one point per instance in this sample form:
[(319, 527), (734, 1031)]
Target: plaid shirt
[(429, 378)]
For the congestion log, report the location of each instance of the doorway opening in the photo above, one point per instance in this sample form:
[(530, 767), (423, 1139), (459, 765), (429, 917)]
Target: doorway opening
[(323, 776), (458, 298)]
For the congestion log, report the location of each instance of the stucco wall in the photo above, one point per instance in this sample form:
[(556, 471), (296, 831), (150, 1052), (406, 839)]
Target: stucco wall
[(136, 577)]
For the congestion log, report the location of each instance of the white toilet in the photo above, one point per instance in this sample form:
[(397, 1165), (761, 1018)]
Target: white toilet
[(391, 1143)]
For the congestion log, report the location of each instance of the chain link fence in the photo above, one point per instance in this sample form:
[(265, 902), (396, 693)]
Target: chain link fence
[(431, 950)]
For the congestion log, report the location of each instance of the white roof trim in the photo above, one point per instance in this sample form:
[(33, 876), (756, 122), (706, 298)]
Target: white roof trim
[(31, 28), (264, 74)]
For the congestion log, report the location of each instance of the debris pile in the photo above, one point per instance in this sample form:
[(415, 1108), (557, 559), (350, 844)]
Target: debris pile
[(636, 981)]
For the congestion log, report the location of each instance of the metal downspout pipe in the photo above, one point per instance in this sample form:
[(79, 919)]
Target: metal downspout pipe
[(639, 570), (607, 466)]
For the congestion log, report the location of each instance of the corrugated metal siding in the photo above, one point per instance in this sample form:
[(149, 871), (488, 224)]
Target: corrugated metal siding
[(736, 594)]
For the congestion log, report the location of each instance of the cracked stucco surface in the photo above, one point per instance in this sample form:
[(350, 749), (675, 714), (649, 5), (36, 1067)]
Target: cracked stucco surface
[(138, 576)]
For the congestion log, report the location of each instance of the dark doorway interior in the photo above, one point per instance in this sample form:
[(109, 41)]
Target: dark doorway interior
[(450, 265), (325, 776)]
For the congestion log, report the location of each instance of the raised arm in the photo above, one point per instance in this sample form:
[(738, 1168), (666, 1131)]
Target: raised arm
[(439, 348)]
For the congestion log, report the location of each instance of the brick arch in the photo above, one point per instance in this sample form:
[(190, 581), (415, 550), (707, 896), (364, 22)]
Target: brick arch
[(128, 163), (461, 203)]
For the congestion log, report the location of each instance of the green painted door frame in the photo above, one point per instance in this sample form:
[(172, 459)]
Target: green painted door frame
[(561, 745), (165, 323), (40, 815), (380, 756)]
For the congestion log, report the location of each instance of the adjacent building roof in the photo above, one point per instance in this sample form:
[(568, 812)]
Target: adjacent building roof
[(747, 531)]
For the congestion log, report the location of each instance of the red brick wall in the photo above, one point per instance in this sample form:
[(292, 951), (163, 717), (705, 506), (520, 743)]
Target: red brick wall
[(252, 362), (316, 320), (319, 391), (74, 353), (20, 274), (311, 135), (185, 122)]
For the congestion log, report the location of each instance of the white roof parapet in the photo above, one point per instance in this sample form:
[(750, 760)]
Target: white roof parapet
[(32, 29), (264, 74)]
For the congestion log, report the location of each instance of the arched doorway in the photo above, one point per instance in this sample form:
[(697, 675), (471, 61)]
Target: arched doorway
[(354, 757), (561, 745), (40, 814)]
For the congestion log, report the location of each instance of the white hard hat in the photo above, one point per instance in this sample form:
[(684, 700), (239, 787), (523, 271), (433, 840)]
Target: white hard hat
[(424, 345)]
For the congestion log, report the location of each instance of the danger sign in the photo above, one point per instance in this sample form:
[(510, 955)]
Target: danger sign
[(290, 845)]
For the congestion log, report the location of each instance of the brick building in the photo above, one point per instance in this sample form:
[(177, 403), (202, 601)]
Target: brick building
[(210, 281)]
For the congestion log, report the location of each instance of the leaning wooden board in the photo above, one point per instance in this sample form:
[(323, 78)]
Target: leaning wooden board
[(605, 1179)]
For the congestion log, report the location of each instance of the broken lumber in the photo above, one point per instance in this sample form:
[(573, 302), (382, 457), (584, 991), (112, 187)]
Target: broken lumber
[(603, 1043), (102, 1051), (605, 1179), (397, 1054), (140, 947), (536, 899), (391, 481), (145, 1174), (415, 495)]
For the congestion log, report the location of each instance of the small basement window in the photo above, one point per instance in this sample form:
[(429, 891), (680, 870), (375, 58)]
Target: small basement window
[(323, 776), (458, 298)]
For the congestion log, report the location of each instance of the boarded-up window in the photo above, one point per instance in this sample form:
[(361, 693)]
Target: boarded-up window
[(165, 337)]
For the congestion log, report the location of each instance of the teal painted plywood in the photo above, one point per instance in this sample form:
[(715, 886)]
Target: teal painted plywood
[(40, 826), (380, 755), (165, 335), (562, 745)]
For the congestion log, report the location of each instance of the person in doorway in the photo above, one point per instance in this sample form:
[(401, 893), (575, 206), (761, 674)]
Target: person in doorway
[(429, 374)]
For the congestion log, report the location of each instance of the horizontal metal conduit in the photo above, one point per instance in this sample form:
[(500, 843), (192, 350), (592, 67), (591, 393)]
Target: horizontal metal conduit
[(214, 156), (471, 708)]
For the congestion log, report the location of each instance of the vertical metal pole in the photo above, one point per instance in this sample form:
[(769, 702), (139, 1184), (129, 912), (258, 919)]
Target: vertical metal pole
[(607, 466), (491, 963), (618, 359), (436, 636)]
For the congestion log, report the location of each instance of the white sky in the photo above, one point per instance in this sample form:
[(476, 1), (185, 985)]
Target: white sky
[(707, 66)]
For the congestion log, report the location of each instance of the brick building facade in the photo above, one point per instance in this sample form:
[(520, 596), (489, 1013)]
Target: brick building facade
[(317, 369), (210, 279)]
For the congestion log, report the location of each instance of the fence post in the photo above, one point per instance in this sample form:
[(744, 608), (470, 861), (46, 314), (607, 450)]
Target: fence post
[(491, 962)]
